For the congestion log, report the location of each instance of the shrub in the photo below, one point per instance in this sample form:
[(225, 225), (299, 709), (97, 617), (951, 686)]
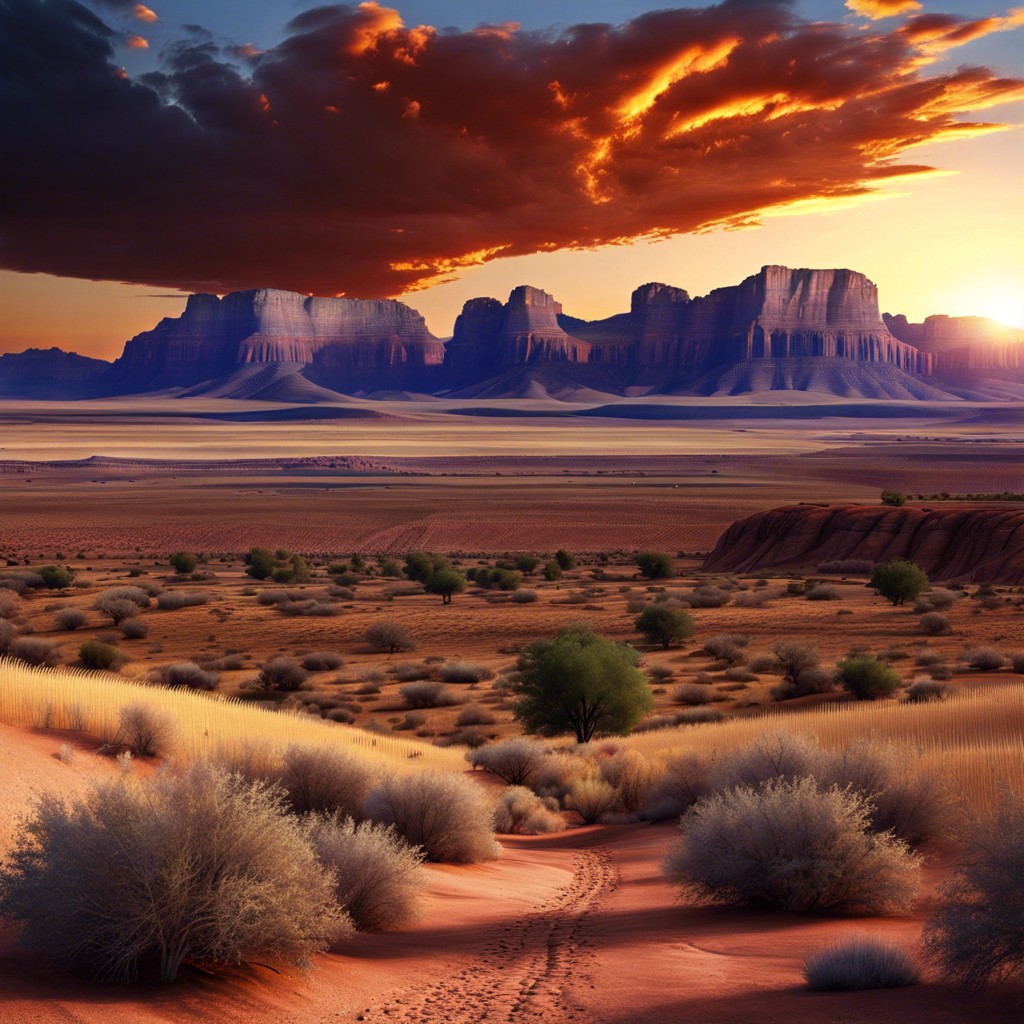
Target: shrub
[(591, 799), (281, 673), (56, 577), (846, 567), (520, 811), (7, 635), (33, 650), (409, 673), (867, 678), (427, 693), (187, 674), (319, 780), (655, 565), (552, 571), (663, 625), (70, 619), (727, 647), (133, 629), (564, 560), (145, 731), (200, 867), (172, 600), (860, 962), (378, 876), (683, 781), (898, 580), (940, 598), (464, 672), (136, 595), (446, 814), (389, 636), (631, 775), (1017, 662), (708, 597), (984, 659), (823, 592), (581, 683), (514, 761), (475, 714), (921, 691), (182, 562), (977, 935), (934, 623), (778, 756), (894, 498), (524, 597), (95, 654), (322, 661), (699, 716), (792, 659), (793, 847), (118, 610), (691, 693)]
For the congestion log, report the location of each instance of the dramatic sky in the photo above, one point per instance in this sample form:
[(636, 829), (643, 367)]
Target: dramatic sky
[(450, 149)]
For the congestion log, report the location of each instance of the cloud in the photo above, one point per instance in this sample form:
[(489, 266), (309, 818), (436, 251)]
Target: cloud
[(364, 156), (878, 9), (144, 13), (134, 42)]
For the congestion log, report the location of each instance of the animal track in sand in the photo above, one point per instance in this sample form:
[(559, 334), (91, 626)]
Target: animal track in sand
[(524, 973)]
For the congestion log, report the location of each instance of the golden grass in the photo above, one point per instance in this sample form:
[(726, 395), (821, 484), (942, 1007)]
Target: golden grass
[(974, 739), (205, 725)]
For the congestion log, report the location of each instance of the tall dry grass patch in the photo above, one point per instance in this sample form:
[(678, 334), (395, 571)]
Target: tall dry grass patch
[(205, 725)]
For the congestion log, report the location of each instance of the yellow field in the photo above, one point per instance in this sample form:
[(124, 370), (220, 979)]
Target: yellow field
[(204, 725), (975, 739)]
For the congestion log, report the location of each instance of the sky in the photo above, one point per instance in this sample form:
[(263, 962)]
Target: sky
[(439, 151)]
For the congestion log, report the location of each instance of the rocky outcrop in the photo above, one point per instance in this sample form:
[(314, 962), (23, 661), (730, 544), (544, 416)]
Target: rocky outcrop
[(48, 373), (347, 344), (963, 346), (983, 545)]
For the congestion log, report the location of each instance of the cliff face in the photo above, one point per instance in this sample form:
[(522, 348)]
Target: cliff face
[(351, 343), (984, 545), (963, 346), (48, 373)]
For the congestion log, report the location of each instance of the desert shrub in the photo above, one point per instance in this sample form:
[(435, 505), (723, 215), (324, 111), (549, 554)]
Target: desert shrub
[(514, 761), (201, 867), (984, 659), (934, 623), (681, 783), (281, 673), (1017, 662), (654, 565), (182, 562), (520, 811), (69, 619), (342, 715), (977, 935), (861, 962), (895, 498), (660, 624), (739, 675), (389, 636), (445, 814), (137, 595), (581, 683), (133, 629), (823, 592), (475, 714), (172, 600), (691, 693), (322, 661), (558, 771), (565, 560), (707, 596), (591, 799), (750, 599), (846, 567), (33, 650), (409, 672), (921, 691), (699, 716), (464, 672), (310, 608), (899, 580), (792, 659), (319, 780), (144, 731), (117, 609), (378, 876), (941, 599), (10, 604), (791, 846), (867, 678), (552, 571), (727, 647), (56, 577), (7, 635), (426, 693), (524, 597), (775, 757), (97, 655), (187, 674), (631, 775)]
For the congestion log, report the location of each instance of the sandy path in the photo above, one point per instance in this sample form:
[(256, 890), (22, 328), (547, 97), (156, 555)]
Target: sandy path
[(526, 971)]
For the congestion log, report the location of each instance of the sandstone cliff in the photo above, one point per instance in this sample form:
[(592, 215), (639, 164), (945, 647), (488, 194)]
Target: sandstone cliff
[(48, 373), (949, 544), (963, 346)]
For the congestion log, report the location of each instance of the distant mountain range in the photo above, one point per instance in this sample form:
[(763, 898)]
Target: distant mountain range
[(780, 329)]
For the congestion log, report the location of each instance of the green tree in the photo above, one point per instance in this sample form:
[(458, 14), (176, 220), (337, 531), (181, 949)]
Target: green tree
[(552, 570), (655, 565), (182, 562), (899, 580), (665, 626), (579, 683), (56, 577), (445, 582), (866, 677), (565, 560), (421, 564), (895, 498), (526, 563), (259, 563)]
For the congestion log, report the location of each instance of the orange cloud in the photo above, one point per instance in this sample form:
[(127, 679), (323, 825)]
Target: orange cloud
[(936, 33), (137, 43), (878, 9), (144, 13)]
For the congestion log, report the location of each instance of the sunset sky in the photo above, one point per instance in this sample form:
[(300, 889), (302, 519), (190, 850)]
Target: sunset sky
[(444, 150)]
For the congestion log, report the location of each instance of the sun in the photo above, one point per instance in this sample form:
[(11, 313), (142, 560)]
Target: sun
[(1007, 308)]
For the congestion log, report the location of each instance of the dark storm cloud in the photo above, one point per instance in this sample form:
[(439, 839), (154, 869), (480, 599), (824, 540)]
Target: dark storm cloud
[(366, 157)]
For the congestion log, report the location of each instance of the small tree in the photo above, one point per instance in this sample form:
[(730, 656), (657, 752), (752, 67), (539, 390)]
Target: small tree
[(565, 560), (899, 580), (260, 563), (389, 636), (552, 571), (56, 577), (526, 563), (182, 562), (95, 654), (579, 683), (665, 626), (894, 498), (655, 565), (794, 659), (867, 678), (445, 582), (421, 565)]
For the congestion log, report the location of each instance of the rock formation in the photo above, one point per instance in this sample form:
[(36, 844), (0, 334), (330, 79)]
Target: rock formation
[(48, 373), (983, 545), (964, 346)]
